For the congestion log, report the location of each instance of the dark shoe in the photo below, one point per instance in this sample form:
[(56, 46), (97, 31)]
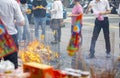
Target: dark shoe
[(54, 42), (108, 55), (91, 56)]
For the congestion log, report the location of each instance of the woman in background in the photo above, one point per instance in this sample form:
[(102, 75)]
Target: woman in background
[(76, 11), (76, 21), (56, 17)]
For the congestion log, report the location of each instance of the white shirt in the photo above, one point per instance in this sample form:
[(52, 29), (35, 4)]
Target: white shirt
[(10, 11), (100, 6), (57, 10)]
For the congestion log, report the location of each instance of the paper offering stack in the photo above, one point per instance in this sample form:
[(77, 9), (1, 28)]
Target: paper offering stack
[(75, 73)]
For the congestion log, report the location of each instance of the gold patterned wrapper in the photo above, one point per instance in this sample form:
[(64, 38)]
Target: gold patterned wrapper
[(30, 57)]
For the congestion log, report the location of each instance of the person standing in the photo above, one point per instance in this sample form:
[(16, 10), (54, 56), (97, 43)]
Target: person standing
[(56, 19), (100, 9), (9, 13), (39, 11), (76, 25), (77, 13), (24, 31)]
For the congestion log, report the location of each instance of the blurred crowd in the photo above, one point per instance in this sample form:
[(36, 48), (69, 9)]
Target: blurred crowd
[(37, 12)]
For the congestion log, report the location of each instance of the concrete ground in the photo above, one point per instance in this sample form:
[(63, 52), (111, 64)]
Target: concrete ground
[(80, 61)]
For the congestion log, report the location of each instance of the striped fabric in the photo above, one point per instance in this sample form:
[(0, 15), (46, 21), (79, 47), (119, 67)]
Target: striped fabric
[(76, 37)]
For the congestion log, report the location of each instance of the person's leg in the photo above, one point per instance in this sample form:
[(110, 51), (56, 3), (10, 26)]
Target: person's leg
[(14, 56), (106, 34), (26, 32), (29, 17), (57, 30), (59, 34), (36, 21), (71, 29), (20, 33), (56, 34), (43, 25), (96, 32)]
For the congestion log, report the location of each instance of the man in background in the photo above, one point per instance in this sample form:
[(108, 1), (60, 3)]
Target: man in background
[(100, 9), (39, 12)]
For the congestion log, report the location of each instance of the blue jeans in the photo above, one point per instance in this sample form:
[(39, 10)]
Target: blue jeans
[(57, 35), (30, 15), (24, 31), (39, 21), (98, 26), (20, 33), (29, 18)]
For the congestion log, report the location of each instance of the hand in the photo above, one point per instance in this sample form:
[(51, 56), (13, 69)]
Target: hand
[(106, 12), (41, 7), (37, 7), (101, 13), (28, 11), (70, 15)]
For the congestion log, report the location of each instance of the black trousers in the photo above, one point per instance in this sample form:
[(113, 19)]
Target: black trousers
[(14, 56), (97, 28)]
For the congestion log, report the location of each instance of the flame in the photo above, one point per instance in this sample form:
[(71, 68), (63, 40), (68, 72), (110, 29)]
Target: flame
[(37, 52)]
